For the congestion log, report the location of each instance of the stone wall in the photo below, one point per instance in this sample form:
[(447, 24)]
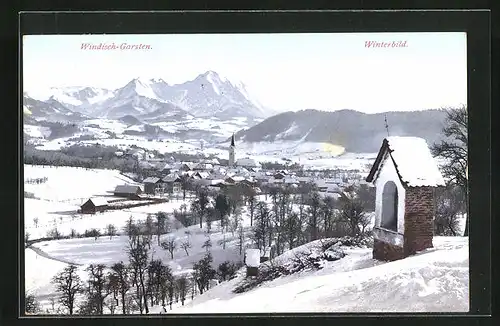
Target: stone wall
[(387, 252), (419, 215)]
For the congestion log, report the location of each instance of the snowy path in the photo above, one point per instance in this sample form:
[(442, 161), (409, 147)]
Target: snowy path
[(44, 254)]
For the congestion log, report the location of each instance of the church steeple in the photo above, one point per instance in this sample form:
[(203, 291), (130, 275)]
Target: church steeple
[(231, 152)]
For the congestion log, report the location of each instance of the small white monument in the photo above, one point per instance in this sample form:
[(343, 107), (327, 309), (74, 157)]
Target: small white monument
[(252, 261)]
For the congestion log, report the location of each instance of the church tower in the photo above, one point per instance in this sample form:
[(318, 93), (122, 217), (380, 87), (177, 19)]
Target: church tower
[(231, 152)]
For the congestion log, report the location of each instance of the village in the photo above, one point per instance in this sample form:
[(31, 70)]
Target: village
[(172, 180)]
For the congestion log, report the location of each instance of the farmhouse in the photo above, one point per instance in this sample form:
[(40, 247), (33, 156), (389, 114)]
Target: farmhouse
[(94, 205), (151, 185), (127, 191), (172, 183), (405, 176)]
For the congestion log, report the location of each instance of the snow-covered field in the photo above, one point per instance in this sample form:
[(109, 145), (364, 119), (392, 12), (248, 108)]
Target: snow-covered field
[(106, 250), (57, 200), (436, 280)]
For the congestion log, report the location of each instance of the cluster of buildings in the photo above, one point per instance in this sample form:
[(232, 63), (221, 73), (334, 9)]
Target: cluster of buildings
[(168, 178)]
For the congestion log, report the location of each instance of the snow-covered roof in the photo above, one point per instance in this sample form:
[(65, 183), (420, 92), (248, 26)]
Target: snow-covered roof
[(216, 176), (203, 166), (171, 178), (248, 162), (252, 258), (203, 175), (413, 161), (127, 189), (151, 180), (99, 201)]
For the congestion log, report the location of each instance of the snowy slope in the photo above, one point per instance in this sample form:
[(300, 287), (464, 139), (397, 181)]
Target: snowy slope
[(433, 281), (69, 183)]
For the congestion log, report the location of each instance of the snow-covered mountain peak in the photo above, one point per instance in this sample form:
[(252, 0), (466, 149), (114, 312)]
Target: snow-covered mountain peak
[(209, 94), (138, 87)]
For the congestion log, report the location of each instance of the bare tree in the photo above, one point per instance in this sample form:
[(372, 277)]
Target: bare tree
[(241, 239), (32, 306), (170, 245), (110, 231), (236, 220), (453, 150), (449, 205), (207, 245), (149, 229), (315, 203), (68, 284), (352, 211), (131, 229), (203, 272), (186, 245), (97, 290), (251, 205), (166, 278), (182, 287), (261, 225), (138, 254), (113, 287), (161, 219), (35, 222), (292, 229)]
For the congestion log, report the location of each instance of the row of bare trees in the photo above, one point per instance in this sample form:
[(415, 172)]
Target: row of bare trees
[(295, 219), (135, 286)]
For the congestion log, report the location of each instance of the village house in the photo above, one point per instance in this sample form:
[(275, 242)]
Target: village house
[(405, 176), (203, 167), (279, 175), (304, 180), (127, 191), (172, 183), (94, 205), (152, 185), (247, 163), (202, 174)]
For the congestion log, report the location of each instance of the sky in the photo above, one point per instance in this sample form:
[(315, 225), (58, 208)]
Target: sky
[(285, 72)]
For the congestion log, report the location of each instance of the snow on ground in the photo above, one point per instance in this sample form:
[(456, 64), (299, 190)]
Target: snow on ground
[(433, 281), (38, 273), (126, 142), (85, 251), (111, 125), (107, 251), (36, 131), (70, 183), (56, 215), (56, 201)]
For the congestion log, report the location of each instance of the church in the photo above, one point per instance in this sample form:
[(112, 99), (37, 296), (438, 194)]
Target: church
[(243, 162), (232, 149)]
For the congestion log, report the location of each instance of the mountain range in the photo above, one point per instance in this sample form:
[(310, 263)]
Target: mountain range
[(355, 131), (211, 108), (208, 95)]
